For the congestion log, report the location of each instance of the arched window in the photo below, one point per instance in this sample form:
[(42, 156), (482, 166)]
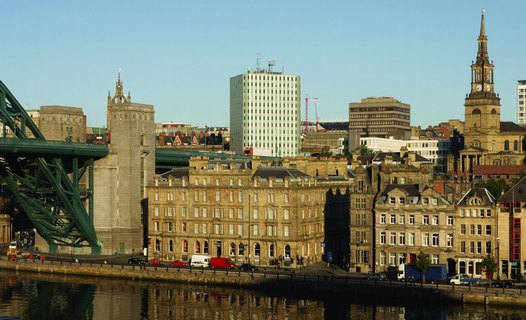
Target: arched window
[(205, 247), (493, 111), (232, 249), (271, 252), (476, 111), (197, 247), (515, 145), (257, 250), (287, 250), (241, 250), (506, 145), (185, 246)]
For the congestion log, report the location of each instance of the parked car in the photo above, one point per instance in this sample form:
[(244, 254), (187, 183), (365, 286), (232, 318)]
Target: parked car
[(222, 263), (463, 279), (248, 267), (136, 260), (502, 283), (375, 276), (155, 262), (200, 261), (178, 264)]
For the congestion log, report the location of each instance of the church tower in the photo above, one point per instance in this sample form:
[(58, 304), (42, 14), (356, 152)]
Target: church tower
[(482, 104)]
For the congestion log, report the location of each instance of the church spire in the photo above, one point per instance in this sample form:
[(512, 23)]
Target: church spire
[(482, 54)]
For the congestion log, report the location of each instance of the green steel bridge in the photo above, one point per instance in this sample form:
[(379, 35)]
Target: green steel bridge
[(45, 176)]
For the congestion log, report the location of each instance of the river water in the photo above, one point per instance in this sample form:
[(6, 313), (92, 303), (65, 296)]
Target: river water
[(34, 296)]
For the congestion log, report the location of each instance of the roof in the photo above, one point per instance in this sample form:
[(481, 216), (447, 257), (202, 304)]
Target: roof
[(498, 169), (482, 193), (176, 173), (410, 189), (508, 126), (279, 173), (517, 193)]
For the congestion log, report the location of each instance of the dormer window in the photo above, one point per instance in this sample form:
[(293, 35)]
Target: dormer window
[(401, 200)]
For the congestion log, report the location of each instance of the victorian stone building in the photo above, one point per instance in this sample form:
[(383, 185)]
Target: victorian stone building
[(290, 213), (475, 230)]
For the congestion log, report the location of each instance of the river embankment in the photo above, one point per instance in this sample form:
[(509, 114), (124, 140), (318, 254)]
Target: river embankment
[(307, 283)]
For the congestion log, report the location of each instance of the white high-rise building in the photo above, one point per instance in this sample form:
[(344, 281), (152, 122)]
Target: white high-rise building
[(521, 102), (265, 113)]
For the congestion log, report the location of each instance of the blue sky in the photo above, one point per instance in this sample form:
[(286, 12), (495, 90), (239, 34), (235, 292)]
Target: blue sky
[(180, 55)]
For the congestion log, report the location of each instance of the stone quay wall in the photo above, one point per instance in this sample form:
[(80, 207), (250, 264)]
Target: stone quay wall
[(308, 286)]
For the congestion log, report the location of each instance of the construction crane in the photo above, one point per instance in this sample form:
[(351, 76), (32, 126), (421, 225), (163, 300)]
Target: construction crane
[(306, 127)]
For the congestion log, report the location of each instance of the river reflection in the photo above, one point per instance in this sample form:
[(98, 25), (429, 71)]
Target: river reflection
[(33, 296)]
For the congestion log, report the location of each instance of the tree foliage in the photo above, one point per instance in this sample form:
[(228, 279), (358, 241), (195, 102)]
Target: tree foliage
[(489, 266), (422, 263), (495, 187)]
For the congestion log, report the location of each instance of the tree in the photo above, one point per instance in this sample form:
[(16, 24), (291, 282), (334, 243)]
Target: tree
[(489, 266), (422, 263), (495, 187)]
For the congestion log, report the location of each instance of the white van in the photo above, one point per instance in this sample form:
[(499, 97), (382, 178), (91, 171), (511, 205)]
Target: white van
[(201, 261)]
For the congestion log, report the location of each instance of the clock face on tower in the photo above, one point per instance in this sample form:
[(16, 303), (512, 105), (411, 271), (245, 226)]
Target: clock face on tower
[(479, 87)]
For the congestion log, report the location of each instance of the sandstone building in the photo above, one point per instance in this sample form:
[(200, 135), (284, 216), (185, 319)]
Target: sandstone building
[(289, 214)]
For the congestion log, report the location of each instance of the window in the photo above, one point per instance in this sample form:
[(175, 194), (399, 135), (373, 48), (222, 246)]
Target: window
[(479, 229), (392, 258), (286, 198), (479, 247), (196, 212), (382, 219), (255, 230), (462, 229), (425, 239), (425, 201), (435, 240), (183, 212), (392, 238), (411, 238), (240, 213), (156, 226), (156, 211), (217, 213), (488, 230), (488, 247), (435, 220), (488, 212), (230, 229), (449, 220), (196, 228), (231, 213), (255, 213), (425, 219), (183, 227), (218, 196), (412, 219), (471, 229), (239, 229), (392, 219), (463, 246), (231, 196), (434, 258), (392, 200), (156, 196), (285, 231), (240, 196), (286, 214), (401, 200), (401, 238), (383, 238), (449, 240), (401, 219), (382, 258)]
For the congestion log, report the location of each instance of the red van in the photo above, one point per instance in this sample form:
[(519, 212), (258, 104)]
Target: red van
[(222, 263)]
